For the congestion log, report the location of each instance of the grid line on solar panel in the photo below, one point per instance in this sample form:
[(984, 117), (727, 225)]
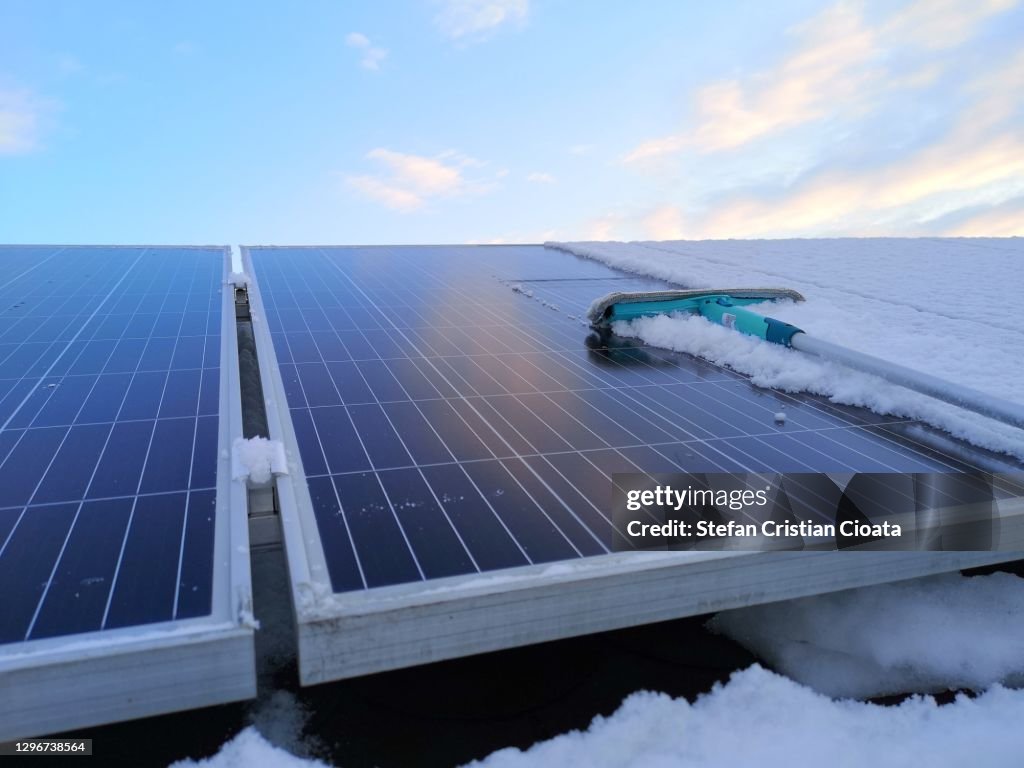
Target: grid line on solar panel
[(426, 361), (122, 418)]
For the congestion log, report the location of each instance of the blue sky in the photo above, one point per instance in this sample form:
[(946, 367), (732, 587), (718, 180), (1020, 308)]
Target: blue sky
[(508, 120)]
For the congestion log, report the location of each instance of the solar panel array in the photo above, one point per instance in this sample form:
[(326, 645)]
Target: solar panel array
[(109, 396), (455, 414)]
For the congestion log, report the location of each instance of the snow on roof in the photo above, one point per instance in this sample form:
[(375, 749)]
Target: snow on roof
[(947, 632), (250, 750), (756, 718), (943, 306)]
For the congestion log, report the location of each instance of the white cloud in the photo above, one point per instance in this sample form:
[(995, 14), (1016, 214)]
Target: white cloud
[(966, 180), (942, 23), (827, 69), (1004, 221), (20, 118), (421, 173), (519, 238), (372, 56), (980, 161), (892, 199), (460, 159), (630, 222), (608, 226), (469, 19), (390, 195), (652, 149), (538, 177), (922, 77), (410, 181), (838, 65), (663, 223)]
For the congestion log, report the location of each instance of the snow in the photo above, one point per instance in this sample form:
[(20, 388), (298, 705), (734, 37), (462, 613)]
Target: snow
[(518, 288), (239, 279), (756, 718), (763, 719), (250, 750), (943, 306), (948, 632), (281, 719), (257, 459), (778, 367)]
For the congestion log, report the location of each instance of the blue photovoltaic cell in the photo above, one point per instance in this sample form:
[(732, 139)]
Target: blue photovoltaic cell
[(455, 414), (109, 396)]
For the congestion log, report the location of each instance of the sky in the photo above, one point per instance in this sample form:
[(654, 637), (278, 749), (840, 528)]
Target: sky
[(453, 121)]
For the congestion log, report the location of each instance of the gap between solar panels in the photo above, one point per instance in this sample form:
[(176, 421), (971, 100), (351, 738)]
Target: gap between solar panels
[(254, 451)]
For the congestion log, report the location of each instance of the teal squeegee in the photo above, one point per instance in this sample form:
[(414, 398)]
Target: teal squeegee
[(722, 306), (727, 307)]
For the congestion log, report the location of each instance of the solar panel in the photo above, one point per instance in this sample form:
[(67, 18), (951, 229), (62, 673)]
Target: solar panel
[(113, 514), (412, 371), (455, 415)]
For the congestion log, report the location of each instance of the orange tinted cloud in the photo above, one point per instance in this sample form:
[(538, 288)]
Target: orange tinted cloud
[(409, 181), (837, 65), (1005, 221)]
